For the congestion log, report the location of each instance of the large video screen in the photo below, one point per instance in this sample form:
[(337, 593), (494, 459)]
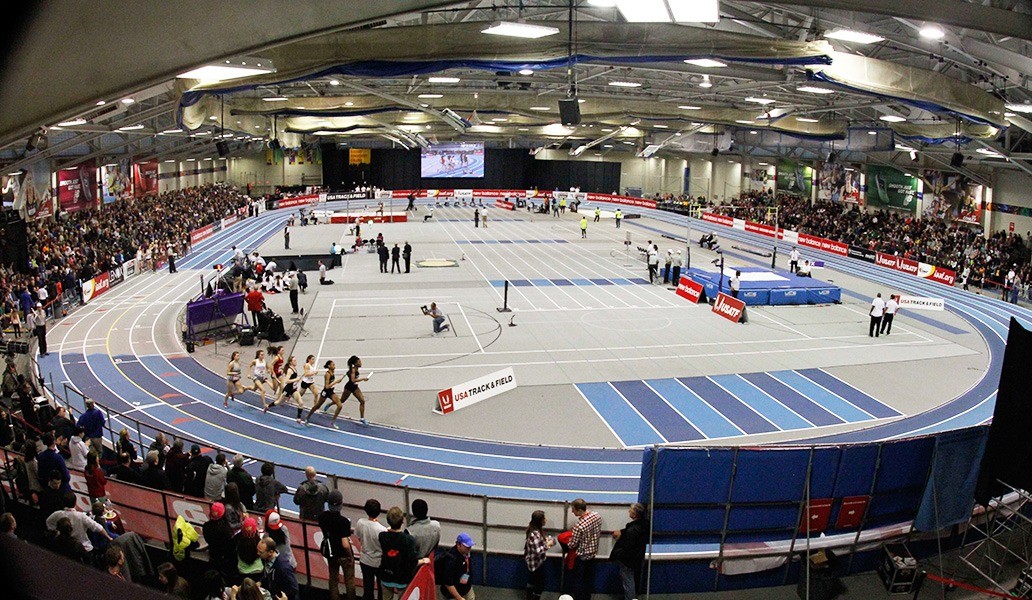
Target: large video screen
[(453, 160)]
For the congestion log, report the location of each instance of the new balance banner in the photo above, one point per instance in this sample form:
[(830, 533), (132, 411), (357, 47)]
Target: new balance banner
[(145, 178), (471, 392), (77, 187), (730, 308), (627, 200), (922, 303), (690, 290), (718, 219), (296, 201), (91, 288), (822, 244), (863, 254)]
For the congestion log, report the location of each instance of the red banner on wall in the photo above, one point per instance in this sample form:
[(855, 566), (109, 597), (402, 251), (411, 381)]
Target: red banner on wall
[(730, 308), (689, 290), (898, 263), (145, 178), (823, 244), (718, 219), (77, 187), (95, 287), (201, 233)]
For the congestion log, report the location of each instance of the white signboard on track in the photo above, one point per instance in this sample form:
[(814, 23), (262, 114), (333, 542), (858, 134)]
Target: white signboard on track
[(471, 392), (922, 303)]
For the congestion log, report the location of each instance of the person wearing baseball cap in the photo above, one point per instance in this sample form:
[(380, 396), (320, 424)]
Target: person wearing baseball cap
[(248, 563), (274, 528), (336, 529), (454, 572), (219, 537)]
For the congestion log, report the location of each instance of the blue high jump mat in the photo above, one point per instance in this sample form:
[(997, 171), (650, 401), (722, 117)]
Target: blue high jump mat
[(768, 287)]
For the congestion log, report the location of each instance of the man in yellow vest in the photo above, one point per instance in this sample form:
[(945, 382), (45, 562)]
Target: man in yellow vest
[(584, 228)]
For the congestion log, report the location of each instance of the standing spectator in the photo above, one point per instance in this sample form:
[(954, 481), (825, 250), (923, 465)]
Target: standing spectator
[(196, 471), (215, 478), (423, 529), (96, 483), (81, 523), (279, 577), (652, 257), (793, 260), (406, 254), (36, 321), (175, 466), (876, 312), (235, 510), (286, 238), (368, 530), (61, 424), (453, 570), (245, 483), (534, 551), (666, 265), (92, 420), (336, 528), (395, 256), (675, 277), (293, 288), (736, 284), (585, 541), (383, 254), (891, 308), (77, 449), (629, 550), (311, 495), (618, 216), (476, 217), (49, 461), (584, 227), (170, 253), (268, 489), (255, 303), (399, 557), (219, 537), (153, 476), (52, 497), (281, 535)]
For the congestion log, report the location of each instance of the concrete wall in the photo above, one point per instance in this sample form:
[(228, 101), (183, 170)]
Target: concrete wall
[(252, 168), (1014, 188)]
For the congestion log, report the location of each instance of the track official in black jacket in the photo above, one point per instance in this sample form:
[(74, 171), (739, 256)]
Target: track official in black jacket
[(629, 549)]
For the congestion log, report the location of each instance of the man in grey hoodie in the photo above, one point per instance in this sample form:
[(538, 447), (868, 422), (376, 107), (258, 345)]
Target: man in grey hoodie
[(215, 478), (267, 489), (311, 496)]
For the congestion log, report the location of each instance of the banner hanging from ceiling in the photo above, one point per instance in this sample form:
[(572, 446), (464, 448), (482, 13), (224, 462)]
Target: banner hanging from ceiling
[(795, 178), (145, 178), (837, 182), (33, 195), (952, 197), (891, 188), (115, 181), (77, 187)]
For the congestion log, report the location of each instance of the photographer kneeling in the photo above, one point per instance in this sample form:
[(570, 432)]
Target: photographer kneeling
[(438, 317)]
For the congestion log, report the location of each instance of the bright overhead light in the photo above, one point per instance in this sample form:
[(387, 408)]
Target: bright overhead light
[(131, 127), (324, 133), (1025, 107), (760, 100), (431, 96), (275, 99), (658, 126), (763, 164), (168, 131), (520, 30), (128, 100), (904, 148), (753, 132), (540, 108), (443, 79), (892, 118), (856, 37), (695, 11), (814, 90), (626, 84), (744, 121), (526, 71), (73, 122), (101, 102), (224, 72), (643, 11), (349, 104), (334, 82), (214, 118), (989, 153), (932, 32), (706, 82), (629, 143), (208, 158), (807, 120), (524, 129), (872, 133), (200, 133), (170, 161), (500, 120), (707, 63), (688, 107), (191, 160)]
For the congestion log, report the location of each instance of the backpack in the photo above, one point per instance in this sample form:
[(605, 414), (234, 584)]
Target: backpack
[(325, 548)]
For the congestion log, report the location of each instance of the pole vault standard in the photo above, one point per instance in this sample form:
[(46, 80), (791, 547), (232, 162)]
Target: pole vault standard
[(505, 301)]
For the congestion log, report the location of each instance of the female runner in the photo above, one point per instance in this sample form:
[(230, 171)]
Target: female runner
[(260, 374), (351, 387), (233, 386), (330, 381), (289, 389), (308, 373)]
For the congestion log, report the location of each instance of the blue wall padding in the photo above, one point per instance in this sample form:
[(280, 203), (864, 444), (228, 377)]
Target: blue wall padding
[(770, 475), (949, 494), (856, 470)]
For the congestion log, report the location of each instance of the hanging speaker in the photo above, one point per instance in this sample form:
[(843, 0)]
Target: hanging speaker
[(222, 148), (274, 144), (569, 111), (714, 152), (38, 140), (957, 160)]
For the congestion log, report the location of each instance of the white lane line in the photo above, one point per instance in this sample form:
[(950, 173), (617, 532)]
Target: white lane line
[(470, 325)]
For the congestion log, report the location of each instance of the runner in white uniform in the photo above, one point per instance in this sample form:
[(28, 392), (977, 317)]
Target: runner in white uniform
[(308, 378), (260, 375)]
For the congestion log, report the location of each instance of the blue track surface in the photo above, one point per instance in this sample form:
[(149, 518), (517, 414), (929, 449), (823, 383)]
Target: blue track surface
[(175, 392)]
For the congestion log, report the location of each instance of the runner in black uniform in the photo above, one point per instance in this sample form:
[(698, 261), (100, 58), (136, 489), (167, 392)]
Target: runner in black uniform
[(351, 387), (289, 389), (327, 394)]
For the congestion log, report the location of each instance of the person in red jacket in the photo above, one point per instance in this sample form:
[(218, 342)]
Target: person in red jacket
[(255, 302), (95, 481)]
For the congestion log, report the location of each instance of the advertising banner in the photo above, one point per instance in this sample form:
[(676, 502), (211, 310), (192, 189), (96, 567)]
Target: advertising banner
[(794, 178), (690, 290), (863, 254), (837, 182), (822, 244), (422, 586), (351, 195), (724, 220), (115, 182), (914, 302), (471, 392), (730, 308), (951, 196), (898, 263), (145, 178), (201, 233), (360, 156), (296, 201), (891, 187), (33, 197), (115, 277), (938, 274), (77, 187), (93, 288), (627, 200)]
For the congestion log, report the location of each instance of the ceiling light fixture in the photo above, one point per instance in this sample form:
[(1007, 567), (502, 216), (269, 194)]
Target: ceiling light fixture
[(892, 118), (128, 100), (856, 37), (744, 121), (932, 32), (807, 120), (275, 99), (520, 30), (872, 133), (168, 131), (540, 108), (1024, 107), (334, 82), (706, 83), (349, 103), (101, 102), (753, 132), (760, 100), (707, 63), (431, 96), (526, 71), (229, 69), (814, 90), (626, 84), (72, 123), (689, 107), (443, 79), (602, 3), (658, 126), (131, 127), (667, 11)]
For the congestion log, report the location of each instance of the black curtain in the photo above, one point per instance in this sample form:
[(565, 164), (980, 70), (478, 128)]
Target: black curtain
[(338, 174), (1008, 452), (589, 176)]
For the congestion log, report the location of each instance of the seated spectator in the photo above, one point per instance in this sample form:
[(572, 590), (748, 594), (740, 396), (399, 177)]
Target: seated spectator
[(153, 476), (219, 537), (248, 562), (126, 445), (171, 583), (279, 577), (235, 510), (125, 471), (65, 543)]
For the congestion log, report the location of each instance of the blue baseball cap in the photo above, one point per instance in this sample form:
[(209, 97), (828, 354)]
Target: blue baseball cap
[(465, 540)]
